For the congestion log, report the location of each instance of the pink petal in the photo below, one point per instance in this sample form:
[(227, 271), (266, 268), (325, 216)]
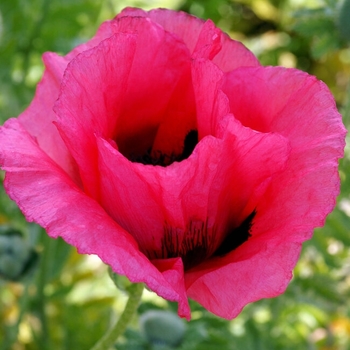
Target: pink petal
[(119, 87), (178, 23), (305, 192), (172, 271), (212, 105), (38, 118), (172, 116), (47, 196), (234, 54), (202, 38), (209, 41), (82, 112), (248, 161), (179, 118), (224, 286), (295, 201), (145, 199)]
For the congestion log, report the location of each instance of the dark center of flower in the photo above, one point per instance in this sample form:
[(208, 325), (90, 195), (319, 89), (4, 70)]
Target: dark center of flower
[(194, 247), (157, 157), (237, 236), (197, 242)]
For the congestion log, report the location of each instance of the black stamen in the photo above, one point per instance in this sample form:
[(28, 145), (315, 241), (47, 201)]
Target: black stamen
[(237, 236), (194, 248), (190, 143), (195, 244), (155, 157)]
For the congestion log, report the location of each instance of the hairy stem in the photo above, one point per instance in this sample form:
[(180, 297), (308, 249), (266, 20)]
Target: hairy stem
[(107, 341)]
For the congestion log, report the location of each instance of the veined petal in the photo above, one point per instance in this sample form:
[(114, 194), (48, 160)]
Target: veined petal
[(249, 162), (212, 105), (225, 285), (47, 196), (146, 200), (38, 119), (118, 104), (47, 92), (201, 37), (173, 271), (181, 24), (303, 111), (234, 54), (300, 196)]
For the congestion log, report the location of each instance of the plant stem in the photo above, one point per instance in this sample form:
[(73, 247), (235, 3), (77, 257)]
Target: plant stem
[(107, 341), (41, 296)]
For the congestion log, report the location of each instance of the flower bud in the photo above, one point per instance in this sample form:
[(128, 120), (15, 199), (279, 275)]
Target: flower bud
[(17, 257), (162, 327)]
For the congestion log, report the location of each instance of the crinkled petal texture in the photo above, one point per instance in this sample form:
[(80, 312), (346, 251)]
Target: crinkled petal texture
[(162, 146)]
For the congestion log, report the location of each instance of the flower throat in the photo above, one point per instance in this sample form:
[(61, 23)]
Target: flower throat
[(157, 157), (198, 243)]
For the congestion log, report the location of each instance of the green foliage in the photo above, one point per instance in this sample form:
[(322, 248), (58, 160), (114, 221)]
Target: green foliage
[(319, 26), (68, 301), (343, 20), (27, 33)]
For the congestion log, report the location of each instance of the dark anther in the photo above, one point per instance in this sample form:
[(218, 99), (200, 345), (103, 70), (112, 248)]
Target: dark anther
[(237, 236), (194, 256), (194, 246), (190, 143), (155, 157)]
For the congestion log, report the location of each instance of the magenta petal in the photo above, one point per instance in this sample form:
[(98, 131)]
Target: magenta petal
[(119, 88), (147, 199), (181, 24), (234, 54), (172, 270), (286, 175), (202, 38), (179, 118), (305, 192), (227, 287), (296, 199), (241, 180), (41, 112), (69, 213), (41, 108), (82, 112), (212, 105), (209, 41), (128, 198)]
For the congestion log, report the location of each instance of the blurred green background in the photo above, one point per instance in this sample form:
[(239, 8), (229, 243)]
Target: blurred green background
[(66, 301)]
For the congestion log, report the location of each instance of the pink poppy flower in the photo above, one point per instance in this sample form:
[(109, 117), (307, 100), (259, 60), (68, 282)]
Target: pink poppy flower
[(162, 146)]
